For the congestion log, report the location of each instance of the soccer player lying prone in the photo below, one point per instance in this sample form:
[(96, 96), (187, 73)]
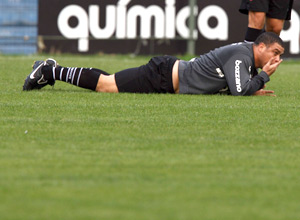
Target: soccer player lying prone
[(230, 69)]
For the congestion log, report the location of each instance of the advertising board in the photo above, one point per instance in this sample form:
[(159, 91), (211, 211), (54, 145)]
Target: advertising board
[(147, 27)]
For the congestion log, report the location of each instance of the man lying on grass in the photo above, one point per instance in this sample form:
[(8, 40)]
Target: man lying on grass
[(230, 69)]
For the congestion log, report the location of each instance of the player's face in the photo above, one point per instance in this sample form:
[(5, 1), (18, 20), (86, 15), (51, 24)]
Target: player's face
[(273, 50)]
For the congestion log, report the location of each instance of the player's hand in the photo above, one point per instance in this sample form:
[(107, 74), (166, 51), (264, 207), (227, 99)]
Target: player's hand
[(271, 65), (263, 92)]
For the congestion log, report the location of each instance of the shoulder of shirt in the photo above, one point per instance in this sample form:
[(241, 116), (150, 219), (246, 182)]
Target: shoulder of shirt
[(233, 50), (240, 48)]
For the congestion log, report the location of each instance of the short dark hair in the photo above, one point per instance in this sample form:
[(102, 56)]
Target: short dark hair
[(268, 38)]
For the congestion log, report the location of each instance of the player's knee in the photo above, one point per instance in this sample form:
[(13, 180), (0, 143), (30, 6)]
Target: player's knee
[(107, 84), (274, 29), (274, 25)]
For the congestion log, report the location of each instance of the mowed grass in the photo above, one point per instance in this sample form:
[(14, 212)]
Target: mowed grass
[(69, 153)]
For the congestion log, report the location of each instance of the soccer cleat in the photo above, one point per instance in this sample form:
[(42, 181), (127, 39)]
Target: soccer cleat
[(36, 80)]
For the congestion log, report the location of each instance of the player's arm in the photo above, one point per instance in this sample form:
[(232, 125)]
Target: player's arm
[(239, 79), (269, 69)]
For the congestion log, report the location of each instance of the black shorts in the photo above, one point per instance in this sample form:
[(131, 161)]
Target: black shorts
[(154, 77), (279, 9)]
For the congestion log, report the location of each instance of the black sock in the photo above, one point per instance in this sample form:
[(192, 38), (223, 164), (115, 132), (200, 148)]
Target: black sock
[(83, 77), (252, 34), (100, 71)]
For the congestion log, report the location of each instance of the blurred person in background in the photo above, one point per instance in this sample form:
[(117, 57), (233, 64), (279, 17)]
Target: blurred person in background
[(265, 15)]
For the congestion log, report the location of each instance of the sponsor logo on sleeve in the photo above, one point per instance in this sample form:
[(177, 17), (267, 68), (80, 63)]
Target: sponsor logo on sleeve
[(238, 75), (219, 71)]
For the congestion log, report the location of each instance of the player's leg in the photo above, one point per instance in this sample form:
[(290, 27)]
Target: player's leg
[(256, 18), (256, 23), (45, 72), (279, 11), (107, 83), (274, 25), (154, 77)]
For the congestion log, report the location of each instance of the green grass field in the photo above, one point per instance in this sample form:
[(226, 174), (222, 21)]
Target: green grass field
[(68, 153)]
